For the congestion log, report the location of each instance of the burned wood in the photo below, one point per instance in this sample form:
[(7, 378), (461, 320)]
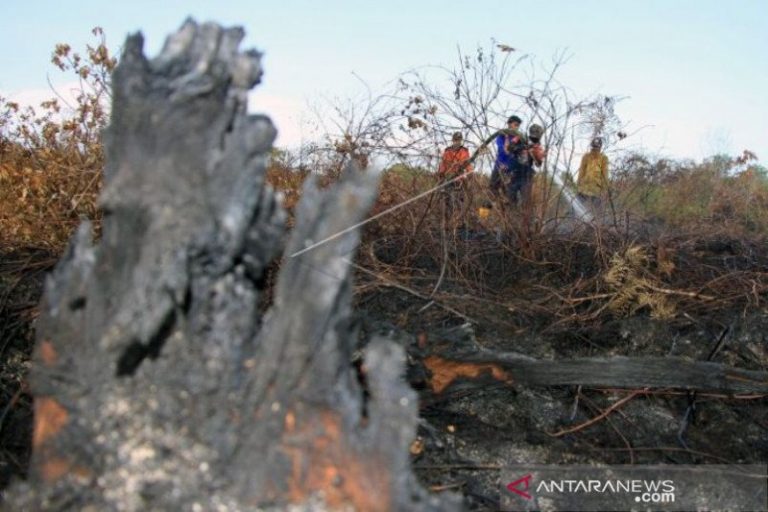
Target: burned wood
[(614, 372), (158, 384)]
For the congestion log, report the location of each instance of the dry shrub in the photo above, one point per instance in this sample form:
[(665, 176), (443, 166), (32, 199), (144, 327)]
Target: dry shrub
[(742, 200), (634, 287), (51, 157), (286, 179), (721, 194)]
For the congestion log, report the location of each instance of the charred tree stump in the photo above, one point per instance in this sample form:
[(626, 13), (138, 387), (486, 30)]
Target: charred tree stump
[(158, 385)]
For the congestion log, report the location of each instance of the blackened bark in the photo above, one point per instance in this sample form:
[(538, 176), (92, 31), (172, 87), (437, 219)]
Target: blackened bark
[(158, 385), (442, 369)]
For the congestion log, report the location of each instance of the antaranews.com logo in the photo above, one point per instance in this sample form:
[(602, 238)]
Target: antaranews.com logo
[(668, 488), (645, 491)]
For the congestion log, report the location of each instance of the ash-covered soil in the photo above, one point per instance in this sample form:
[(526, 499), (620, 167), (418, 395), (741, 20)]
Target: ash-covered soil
[(469, 432)]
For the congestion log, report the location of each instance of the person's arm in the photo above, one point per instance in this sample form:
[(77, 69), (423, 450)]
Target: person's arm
[(538, 153), (444, 163), (465, 160), (501, 144), (604, 171), (518, 142)]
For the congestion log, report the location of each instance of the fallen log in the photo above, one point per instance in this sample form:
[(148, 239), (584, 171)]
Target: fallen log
[(614, 372), (157, 383)]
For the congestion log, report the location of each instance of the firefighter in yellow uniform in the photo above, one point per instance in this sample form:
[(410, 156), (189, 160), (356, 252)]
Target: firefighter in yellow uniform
[(592, 182)]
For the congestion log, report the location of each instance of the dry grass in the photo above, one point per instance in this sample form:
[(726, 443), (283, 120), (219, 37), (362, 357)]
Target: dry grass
[(721, 193)]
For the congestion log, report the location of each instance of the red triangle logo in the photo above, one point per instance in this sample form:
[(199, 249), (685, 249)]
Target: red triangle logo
[(520, 486)]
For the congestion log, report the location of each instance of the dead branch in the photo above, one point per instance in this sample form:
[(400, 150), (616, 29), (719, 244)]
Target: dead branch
[(614, 372), (592, 421)]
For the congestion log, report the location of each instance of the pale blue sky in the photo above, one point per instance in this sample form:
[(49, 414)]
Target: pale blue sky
[(693, 70)]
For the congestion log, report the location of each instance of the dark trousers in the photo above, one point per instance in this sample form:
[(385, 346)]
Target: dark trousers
[(453, 195), (516, 181), (520, 184)]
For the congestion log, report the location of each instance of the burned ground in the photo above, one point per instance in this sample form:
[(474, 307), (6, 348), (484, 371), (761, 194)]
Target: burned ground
[(477, 426), (21, 283)]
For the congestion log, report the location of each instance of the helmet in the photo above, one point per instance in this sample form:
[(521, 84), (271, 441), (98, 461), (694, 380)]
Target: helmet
[(457, 136), (535, 131), (597, 142)]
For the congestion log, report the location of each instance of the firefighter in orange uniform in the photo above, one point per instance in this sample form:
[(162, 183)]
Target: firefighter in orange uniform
[(455, 164)]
